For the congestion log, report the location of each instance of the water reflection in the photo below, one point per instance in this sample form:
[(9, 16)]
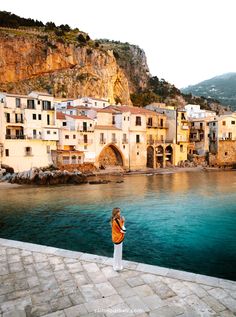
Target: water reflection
[(178, 219)]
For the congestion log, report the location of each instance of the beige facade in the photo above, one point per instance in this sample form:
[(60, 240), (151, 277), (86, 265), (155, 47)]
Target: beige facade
[(199, 135), (28, 131)]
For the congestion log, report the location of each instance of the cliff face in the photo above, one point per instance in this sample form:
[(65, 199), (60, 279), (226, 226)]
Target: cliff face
[(132, 60), (31, 62)]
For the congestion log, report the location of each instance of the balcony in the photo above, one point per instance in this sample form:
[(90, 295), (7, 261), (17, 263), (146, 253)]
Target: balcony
[(114, 141), (150, 142), (14, 137), (13, 122), (91, 129), (124, 141), (102, 141), (82, 141)]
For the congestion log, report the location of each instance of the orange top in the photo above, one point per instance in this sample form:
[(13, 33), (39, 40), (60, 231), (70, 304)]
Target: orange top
[(118, 234)]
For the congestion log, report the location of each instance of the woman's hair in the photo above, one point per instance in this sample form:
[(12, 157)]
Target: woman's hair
[(114, 213)]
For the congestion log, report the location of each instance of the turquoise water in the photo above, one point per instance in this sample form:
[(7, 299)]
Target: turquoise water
[(185, 221)]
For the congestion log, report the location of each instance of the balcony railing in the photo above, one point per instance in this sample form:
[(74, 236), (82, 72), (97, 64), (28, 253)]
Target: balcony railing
[(15, 121), (86, 130), (102, 141), (14, 137), (82, 141)]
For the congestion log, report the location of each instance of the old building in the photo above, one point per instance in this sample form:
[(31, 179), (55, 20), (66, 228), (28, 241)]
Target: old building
[(223, 140), (28, 131)]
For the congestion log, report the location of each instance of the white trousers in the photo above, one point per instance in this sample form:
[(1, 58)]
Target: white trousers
[(117, 257)]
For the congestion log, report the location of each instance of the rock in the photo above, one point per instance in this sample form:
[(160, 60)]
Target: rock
[(100, 181)]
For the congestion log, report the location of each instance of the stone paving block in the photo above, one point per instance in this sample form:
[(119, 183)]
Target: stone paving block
[(226, 313), (4, 269), (60, 303), (208, 280), (12, 251), (33, 281), (117, 281), (62, 276), (218, 293), (46, 296), (47, 283), (45, 273), (17, 294), (40, 310), (213, 303), (15, 267), (163, 311), (3, 258), (42, 266), (90, 292), (109, 272), (74, 267), (56, 260), (153, 302), (152, 269), (12, 258), (135, 281), (196, 289), (76, 298), (5, 289), (162, 290), (24, 253), (68, 287), (2, 298), (137, 305), (91, 267), (93, 258), (39, 257), (119, 310), (181, 289), (106, 289), (150, 278), (58, 267), (229, 302), (198, 305), (81, 278), (29, 270), (59, 313), (128, 273), (181, 275), (125, 291), (230, 285), (15, 313), (99, 305), (143, 290), (28, 259), (97, 277), (76, 311), (16, 304)]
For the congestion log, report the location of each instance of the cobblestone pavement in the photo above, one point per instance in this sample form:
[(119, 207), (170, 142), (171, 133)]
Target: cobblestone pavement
[(44, 281)]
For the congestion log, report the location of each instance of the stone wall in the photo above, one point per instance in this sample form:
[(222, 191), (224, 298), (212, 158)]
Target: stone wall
[(226, 154)]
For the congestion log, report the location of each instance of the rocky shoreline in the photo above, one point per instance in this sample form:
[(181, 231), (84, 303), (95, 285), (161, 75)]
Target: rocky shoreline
[(37, 176)]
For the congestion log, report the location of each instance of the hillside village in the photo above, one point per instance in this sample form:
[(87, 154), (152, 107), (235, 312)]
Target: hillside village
[(38, 130)]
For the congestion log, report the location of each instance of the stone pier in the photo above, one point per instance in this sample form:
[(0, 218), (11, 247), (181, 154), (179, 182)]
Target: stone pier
[(44, 281)]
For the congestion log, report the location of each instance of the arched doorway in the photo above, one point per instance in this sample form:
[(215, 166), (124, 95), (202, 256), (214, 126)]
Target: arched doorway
[(169, 155), (110, 156), (150, 157), (160, 156)]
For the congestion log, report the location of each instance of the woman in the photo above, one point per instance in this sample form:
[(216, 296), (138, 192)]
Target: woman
[(118, 235)]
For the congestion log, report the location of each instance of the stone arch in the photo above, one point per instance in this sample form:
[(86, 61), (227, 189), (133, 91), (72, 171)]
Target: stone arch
[(150, 157), (110, 156), (169, 155), (160, 156)]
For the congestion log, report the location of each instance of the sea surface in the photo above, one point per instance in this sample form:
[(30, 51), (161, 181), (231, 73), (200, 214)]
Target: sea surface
[(185, 221)]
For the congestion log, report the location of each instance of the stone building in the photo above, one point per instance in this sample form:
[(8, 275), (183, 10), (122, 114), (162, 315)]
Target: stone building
[(28, 131), (223, 140)]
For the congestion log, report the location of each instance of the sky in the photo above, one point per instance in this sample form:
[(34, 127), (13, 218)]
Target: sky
[(185, 41)]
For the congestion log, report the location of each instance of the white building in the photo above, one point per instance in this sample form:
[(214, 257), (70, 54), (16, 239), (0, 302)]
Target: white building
[(195, 112)]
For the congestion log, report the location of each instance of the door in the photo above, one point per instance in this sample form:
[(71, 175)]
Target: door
[(48, 119)]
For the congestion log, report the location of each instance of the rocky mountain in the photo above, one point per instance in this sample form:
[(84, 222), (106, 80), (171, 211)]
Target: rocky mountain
[(67, 63), (221, 87)]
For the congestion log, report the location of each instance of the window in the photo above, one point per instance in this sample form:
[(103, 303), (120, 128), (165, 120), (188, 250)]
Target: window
[(113, 120), (137, 153), (17, 102), (34, 116), (90, 125), (213, 124), (181, 148), (192, 124), (48, 149), (95, 103), (74, 136), (149, 122), (113, 138), (7, 152), (85, 147), (128, 118), (67, 136), (223, 122), (123, 146), (55, 132), (124, 118), (38, 102), (48, 132), (28, 151), (47, 105), (30, 104), (232, 122), (182, 116), (64, 123), (161, 122), (201, 125), (102, 138), (138, 121), (39, 117), (71, 112), (137, 138), (226, 153)]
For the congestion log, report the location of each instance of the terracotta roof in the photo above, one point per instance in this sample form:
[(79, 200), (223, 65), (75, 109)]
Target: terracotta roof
[(70, 107), (106, 110), (106, 127), (61, 116), (79, 117), (132, 110)]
